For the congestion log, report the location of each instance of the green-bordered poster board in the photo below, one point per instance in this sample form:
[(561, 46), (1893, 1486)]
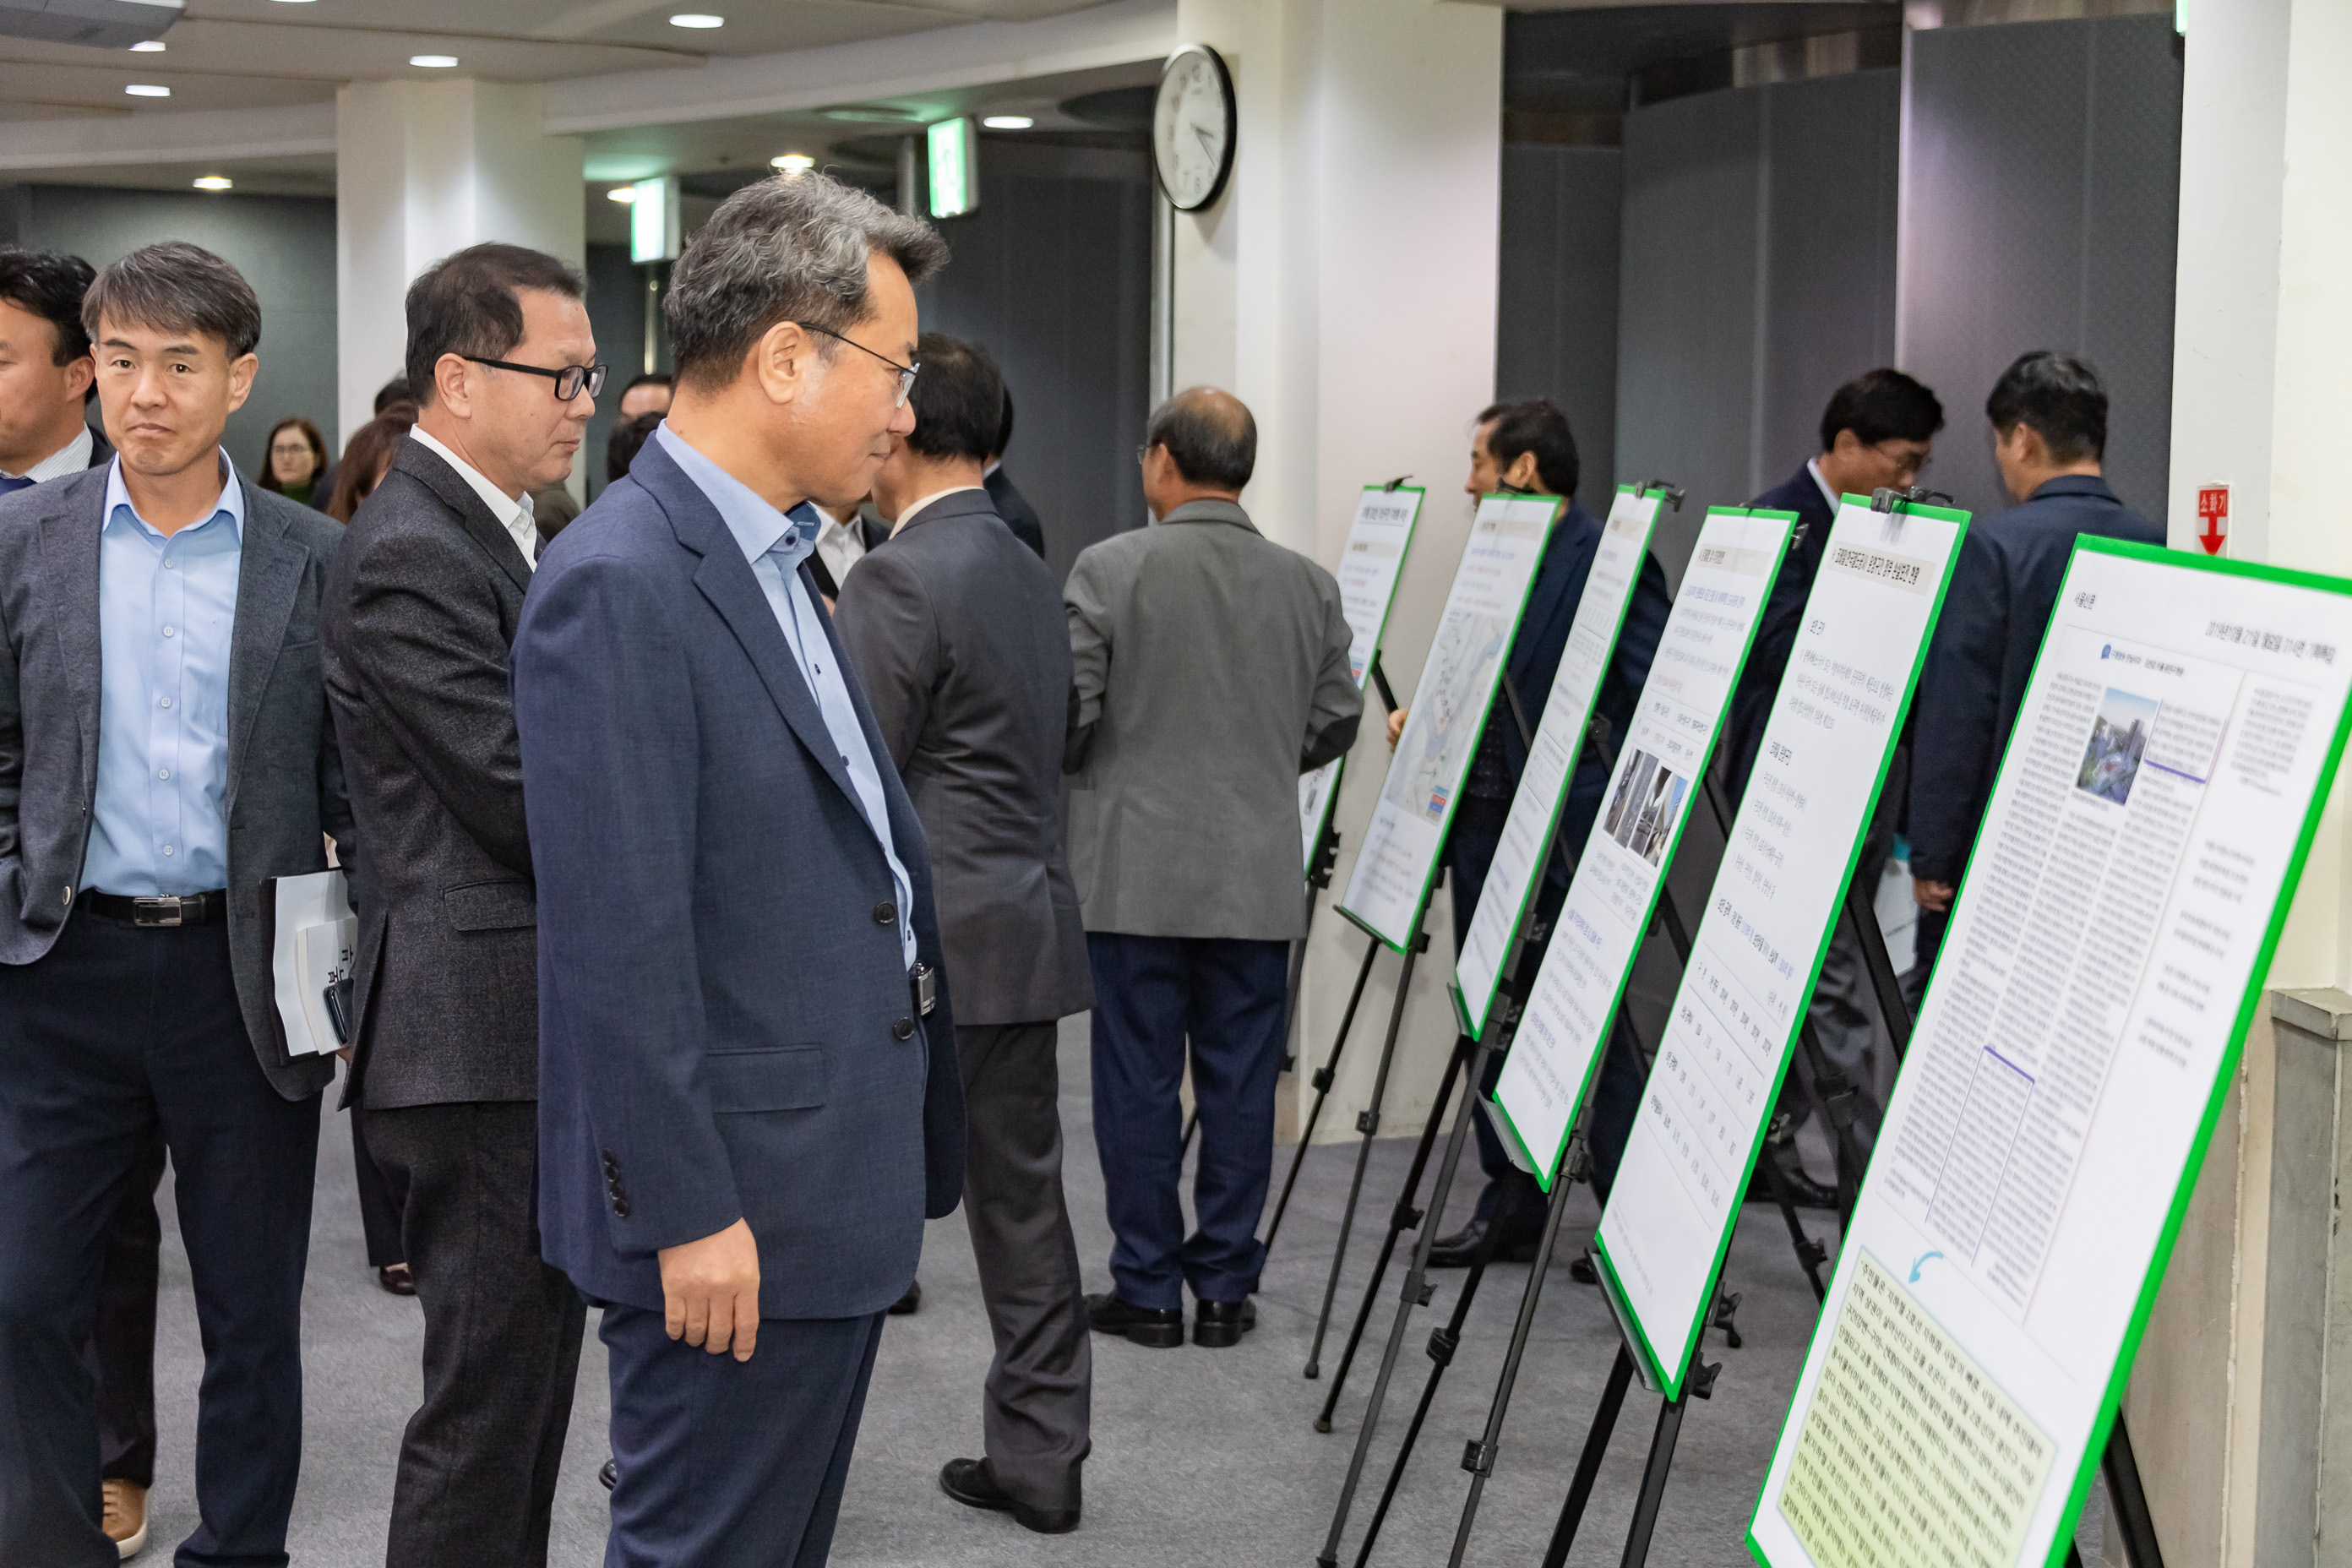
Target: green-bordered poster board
[(1371, 566)]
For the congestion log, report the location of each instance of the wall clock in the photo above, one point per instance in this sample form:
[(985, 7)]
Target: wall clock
[(1192, 127)]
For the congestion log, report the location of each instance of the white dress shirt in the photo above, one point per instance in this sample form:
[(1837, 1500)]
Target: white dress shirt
[(70, 458), (840, 545), (513, 513), (1813, 467)]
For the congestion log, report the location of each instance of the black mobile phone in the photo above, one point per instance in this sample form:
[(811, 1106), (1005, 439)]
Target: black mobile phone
[(339, 1008)]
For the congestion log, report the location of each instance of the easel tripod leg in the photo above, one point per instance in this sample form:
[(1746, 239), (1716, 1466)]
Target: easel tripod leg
[(2128, 1500), (1587, 1464), (1323, 1079), (1654, 1482)]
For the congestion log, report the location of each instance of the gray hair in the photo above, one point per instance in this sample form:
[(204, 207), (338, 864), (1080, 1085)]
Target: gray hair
[(176, 287), (791, 249)]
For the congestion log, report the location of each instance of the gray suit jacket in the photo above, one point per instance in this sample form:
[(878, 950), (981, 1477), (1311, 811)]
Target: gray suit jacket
[(1210, 669), (955, 630), (421, 608), (285, 787)]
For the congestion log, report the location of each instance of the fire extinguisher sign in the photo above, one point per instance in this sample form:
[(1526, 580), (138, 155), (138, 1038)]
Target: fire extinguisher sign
[(2212, 517)]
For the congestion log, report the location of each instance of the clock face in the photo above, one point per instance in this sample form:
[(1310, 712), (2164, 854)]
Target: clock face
[(1192, 127)]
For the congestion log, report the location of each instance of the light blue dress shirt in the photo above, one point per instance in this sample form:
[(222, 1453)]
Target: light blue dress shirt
[(165, 611), (775, 544)]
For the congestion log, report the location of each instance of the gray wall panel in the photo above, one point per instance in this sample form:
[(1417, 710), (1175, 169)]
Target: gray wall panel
[(1556, 327)]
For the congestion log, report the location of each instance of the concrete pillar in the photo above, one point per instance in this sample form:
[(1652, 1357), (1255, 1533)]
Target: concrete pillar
[(1344, 287), (2238, 1389), (423, 168)]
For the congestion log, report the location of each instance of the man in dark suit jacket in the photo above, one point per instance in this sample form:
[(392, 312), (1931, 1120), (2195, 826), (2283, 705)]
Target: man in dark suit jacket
[(1878, 431), (957, 635), (1013, 508), (747, 1100), (421, 609), (2049, 415), (165, 750), (1529, 448)]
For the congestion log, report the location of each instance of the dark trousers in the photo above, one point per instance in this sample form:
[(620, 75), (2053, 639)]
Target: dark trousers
[(502, 1334), (1152, 993), (379, 1203), (122, 1349), (729, 1463), (117, 1033), (1036, 1411)]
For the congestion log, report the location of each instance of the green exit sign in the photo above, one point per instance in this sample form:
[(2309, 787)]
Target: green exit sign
[(955, 168)]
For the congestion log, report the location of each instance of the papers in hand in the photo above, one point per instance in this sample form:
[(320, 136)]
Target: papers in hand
[(314, 950)]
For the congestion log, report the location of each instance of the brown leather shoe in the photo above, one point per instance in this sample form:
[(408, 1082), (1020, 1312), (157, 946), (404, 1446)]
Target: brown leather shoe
[(125, 1519), (396, 1280)]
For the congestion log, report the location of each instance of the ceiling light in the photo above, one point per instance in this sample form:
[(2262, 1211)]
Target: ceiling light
[(214, 183), (697, 20), (147, 90), (151, 46), (433, 62), (623, 194), (877, 114), (1008, 122), (793, 162)]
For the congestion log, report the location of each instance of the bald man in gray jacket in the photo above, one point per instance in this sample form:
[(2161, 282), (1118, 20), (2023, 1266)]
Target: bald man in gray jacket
[(1210, 671)]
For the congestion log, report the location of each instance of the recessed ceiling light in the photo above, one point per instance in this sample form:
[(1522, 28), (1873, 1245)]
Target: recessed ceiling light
[(214, 182), (622, 195), (147, 90), (433, 62), (876, 114), (793, 162), (1008, 122), (147, 46), (697, 20)]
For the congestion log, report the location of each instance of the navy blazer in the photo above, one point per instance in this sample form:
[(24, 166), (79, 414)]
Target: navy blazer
[(1015, 509), (2003, 589), (1784, 613), (725, 1028)]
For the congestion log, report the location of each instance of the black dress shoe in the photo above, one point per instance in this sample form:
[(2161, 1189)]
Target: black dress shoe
[(396, 1279), (1803, 1191), (1581, 1271), (1161, 1328), (1220, 1323), (1460, 1249), (904, 1307), (610, 1474), (973, 1483)]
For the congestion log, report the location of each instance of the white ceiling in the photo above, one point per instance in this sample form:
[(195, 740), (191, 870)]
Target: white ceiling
[(255, 54)]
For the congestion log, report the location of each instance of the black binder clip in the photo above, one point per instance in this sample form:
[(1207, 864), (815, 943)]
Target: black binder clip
[(1887, 498), (1390, 487), (1673, 493)]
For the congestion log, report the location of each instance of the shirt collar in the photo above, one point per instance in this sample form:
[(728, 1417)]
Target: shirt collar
[(509, 510), (70, 458), (2077, 485), (1813, 467), (231, 503), (758, 528), (908, 516)]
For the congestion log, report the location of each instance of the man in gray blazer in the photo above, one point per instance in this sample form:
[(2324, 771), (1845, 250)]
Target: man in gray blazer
[(955, 629), (165, 750), (421, 609), (1210, 671)]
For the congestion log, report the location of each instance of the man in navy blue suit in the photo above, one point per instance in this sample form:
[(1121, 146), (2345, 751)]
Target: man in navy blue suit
[(749, 1097), (1528, 448), (1878, 431)]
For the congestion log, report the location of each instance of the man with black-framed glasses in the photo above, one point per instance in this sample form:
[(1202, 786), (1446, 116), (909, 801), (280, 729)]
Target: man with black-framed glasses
[(420, 612)]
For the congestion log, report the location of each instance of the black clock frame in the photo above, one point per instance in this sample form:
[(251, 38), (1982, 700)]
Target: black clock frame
[(1233, 127)]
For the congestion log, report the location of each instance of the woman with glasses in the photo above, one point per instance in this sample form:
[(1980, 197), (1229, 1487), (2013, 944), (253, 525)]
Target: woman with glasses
[(295, 462)]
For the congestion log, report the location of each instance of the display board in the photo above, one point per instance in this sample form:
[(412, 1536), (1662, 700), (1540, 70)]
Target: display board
[(1398, 862), (1760, 940), (1559, 740), (1659, 771), (2105, 955), (1369, 568)]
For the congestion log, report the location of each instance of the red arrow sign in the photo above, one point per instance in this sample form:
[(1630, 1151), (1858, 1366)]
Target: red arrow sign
[(2213, 513)]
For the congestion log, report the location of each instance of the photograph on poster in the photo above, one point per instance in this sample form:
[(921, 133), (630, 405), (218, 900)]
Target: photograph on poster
[(2118, 741), (1649, 800)]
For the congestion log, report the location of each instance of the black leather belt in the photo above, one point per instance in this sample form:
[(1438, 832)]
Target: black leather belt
[(193, 909)]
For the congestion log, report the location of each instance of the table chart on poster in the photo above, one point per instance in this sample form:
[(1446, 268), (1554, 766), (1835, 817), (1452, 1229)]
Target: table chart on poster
[(1660, 769), (1760, 940), (1378, 538), (1398, 861), (2160, 790), (1559, 739)]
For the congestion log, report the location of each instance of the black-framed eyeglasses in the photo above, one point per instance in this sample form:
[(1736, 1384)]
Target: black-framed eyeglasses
[(569, 382), (906, 372)]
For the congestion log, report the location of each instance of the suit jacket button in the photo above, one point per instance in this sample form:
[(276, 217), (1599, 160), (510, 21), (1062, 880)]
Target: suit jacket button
[(903, 1029), (621, 1208), (885, 914)]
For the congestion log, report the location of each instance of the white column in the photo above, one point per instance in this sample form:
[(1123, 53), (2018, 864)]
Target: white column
[(425, 168), (2229, 1374), (1344, 287)]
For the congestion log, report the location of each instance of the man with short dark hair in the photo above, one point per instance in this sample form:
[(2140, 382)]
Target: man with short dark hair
[(647, 393), (1877, 432), (2049, 417), (1210, 671), (1527, 448), (748, 1099), (167, 752), (956, 632), (420, 613), (1004, 495)]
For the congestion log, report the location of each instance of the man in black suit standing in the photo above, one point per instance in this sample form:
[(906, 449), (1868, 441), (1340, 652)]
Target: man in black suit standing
[(421, 609), (956, 632), (1013, 508), (165, 750)]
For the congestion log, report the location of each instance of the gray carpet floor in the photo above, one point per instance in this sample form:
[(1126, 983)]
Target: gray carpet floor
[(1200, 1457)]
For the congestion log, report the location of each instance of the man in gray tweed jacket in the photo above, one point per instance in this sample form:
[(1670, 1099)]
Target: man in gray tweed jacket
[(1209, 671)]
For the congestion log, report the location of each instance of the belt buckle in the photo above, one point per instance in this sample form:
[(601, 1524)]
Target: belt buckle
[(159, 911)]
